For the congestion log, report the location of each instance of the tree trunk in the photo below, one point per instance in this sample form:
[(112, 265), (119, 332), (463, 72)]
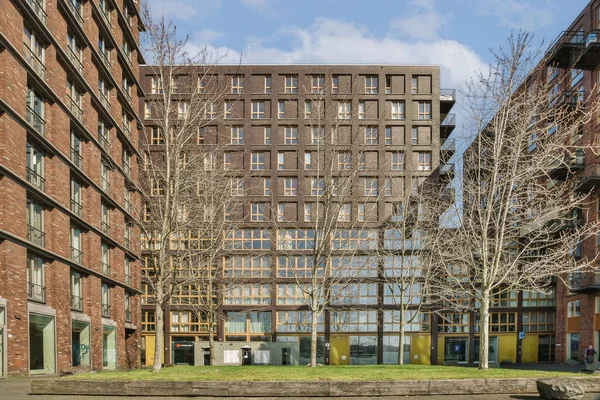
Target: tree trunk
[(211, 339), (484, 330), (159, 338), (401, 345), (313, 339)]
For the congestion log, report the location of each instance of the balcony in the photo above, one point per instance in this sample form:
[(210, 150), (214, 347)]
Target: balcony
[(38, 9), (588, 181), (126, 130), (73, 7), (36, 236), (104, 142), (128, 206), (448, 149), (36, 179), (590, 55), (128, 316), (561, 169), (36, 292), (76, 208), (105, 14), (76, 255), (105, 268), (569, 98), (105, 228), (447, 170), (76, 303), (76, 158), (448, 125), (105, 185), (74, 59), (562, 49), (447, 100), (104, 99), (76, 109), (36, 121), (34, 61), (104, 56), (106, 310), (127, 170)]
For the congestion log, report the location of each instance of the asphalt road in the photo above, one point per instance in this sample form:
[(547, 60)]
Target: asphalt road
[(18, 388)]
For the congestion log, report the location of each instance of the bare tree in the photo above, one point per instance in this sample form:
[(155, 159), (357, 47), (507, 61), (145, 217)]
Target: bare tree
[(522, 213), (336, 235), (183, 100)]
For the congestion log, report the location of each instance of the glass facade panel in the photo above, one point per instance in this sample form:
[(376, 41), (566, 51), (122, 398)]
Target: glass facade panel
[(109, 347), (42, 344)]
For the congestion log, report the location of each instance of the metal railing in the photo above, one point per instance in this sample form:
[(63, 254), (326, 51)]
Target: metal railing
[(126, 131), (104, 142), (76, 13), (76, 303), (106, 17), (105, 59), (38, 9), (127, 170), (36, 179), (449, 145), (105, 228), (105, 268), (35, 62), (36, 292), (36, 236), (127, 92), (104, 99), (447, 94), (76, 158), (74, 58), (76, 109), (572, 37), (76, 208), (128, 279), (128, 206), (105, 185), (36, 121), (76, 255), (106, 310), (128, 316), (127, 243), (450, 120)]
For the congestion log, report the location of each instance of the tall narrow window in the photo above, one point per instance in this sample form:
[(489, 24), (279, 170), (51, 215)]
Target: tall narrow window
[(35, 167), (36, 290), (35, 223)]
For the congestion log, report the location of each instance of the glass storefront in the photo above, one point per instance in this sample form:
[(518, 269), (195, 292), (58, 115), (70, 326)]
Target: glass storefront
[(42, 344), (80, 343), (391, 346), (573, 350), (363, 350), (304, 347), (109, 347), (456, 350), (183, 350), (492, 351)]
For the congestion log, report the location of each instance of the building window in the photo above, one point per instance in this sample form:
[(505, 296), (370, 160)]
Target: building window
[(156, 85), (453, 323), (258, 110), (257, 161), (397, 161), (267, 186), (295, 239), (280, 161), (335, 84), (257, 212), (317, 186), (211, 110), (35, 167), (267, 84), (307, 160), (345, 213), (105, 300), (237, 186), (371, 135), (297, 322), (397, 110), (354, 321), (280, 110), (388, 85), (267, 135), (35, 111), (237, 84), (291, 84), (344, 160), (248, 267), (371, 84), (504, 299), (307, 212), (414, 89), (424, 110), (371, 187), (576, 76), (361, 110), (35, 223), (148, 321), (387, 187), (361, 213), (227, 107), (76, 198), (414, 137), (237, 135), (308, 109), (344, 109), (318, 84), (291, 135), (290, 187), (424, 163), (36, 290), (317, 135), (538, 321), (157, 136), (574, 308), (105, 259), (76, 291), (248, 294), (503, 322), (247, 239)]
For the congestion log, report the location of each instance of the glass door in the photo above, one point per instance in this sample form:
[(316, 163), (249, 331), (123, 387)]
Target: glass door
[(456, 350)]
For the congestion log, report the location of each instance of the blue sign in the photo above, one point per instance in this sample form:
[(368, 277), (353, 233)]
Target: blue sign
[(521, 335), (457, 348)]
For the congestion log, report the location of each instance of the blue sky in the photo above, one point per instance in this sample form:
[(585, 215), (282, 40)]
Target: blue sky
[(456, 34)]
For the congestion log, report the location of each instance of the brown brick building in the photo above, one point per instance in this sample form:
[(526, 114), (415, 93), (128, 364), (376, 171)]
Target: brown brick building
[(68, 147), (575, 54), (402, 120)]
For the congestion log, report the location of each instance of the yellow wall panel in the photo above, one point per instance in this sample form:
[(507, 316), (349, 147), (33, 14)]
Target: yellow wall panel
[(440, 353), (508, 348), (340, 350), (530, 348), (420, 349), (150, 348)]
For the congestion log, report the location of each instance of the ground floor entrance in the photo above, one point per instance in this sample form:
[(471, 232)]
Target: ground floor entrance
[(80, 344), (42, 344), (183, 352), (109, 347)]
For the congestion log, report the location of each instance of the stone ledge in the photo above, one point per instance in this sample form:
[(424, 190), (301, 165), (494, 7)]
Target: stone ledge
[(295, 389)]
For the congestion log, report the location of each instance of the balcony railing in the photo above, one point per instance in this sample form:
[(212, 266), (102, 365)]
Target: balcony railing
[(104, 99), (105, 228), (36, 236), (76, 109), (128, 279), (106, 310), (105, 268), (76, 303), (589, 180), (76, 208), (127, 170), (126, 130), (36, 179), (105, 59), (128, 316), (447, 169), (36, 121), (448, 125), (35, 62), (106, 17), (36, 292), (76, 158), (76, 255), (105, 185), (38, 9), (127, 91), (74, 59), (104, 142), (76, 13), (447, 94), (128, 206), (127, 243)]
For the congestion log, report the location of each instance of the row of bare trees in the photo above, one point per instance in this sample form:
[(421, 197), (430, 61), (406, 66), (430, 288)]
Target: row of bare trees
[(510, 231)]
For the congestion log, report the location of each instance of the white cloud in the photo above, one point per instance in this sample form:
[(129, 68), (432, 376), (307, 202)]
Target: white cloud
[(517, 14), (425, 23), (260, 4), (182, 10), (329, 41)]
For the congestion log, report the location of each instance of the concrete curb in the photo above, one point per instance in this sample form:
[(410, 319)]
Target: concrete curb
[(287, 389)]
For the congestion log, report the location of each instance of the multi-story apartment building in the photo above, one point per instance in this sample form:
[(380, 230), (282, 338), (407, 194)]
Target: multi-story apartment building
[(574, 65), (402, 120), (69, 270)]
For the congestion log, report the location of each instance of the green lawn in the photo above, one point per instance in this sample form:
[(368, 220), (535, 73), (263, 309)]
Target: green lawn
[(303, 373)]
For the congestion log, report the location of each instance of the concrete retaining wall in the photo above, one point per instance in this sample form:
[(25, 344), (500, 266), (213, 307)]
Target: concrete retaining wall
[(319, 389)]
